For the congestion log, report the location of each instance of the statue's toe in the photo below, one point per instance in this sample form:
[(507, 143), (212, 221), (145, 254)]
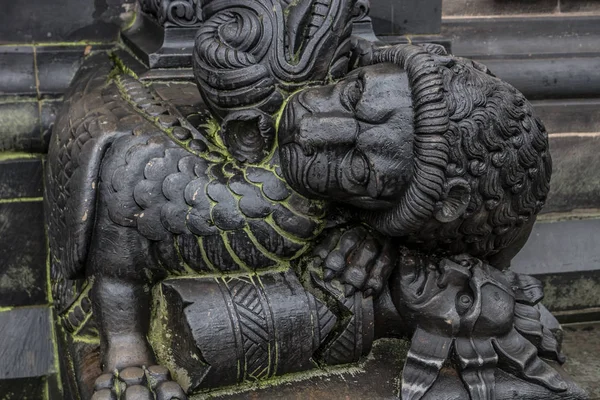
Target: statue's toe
[(138, 383), (138, 392), (104, 394)]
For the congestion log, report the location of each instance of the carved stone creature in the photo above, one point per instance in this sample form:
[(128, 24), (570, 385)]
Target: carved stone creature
[(156, 223), (136, 193)]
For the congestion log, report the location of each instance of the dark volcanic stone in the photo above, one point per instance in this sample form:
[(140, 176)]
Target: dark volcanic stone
[(26, 348), (569, 115), (23, 388), (17, 66), (393, 17), (576, 172), (20, 126), (589, 6), (21, 178), (23, 255), (559, 247), (378, 377), (498, 7), (27, 21), (57, 65)]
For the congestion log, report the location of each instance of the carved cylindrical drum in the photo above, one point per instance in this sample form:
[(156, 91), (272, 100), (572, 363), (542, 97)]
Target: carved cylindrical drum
[(228, 330)]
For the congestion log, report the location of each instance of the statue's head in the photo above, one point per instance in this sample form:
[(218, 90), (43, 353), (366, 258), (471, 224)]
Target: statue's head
[(353, 140), (436, 149)]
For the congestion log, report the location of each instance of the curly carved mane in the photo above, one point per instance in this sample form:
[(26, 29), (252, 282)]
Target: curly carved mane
[(501, 149)]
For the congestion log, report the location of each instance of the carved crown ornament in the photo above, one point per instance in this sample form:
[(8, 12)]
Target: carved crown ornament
[(174, 13)]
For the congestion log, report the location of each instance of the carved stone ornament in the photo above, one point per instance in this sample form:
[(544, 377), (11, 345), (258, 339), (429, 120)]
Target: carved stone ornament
[(173, 13), (328, 192)]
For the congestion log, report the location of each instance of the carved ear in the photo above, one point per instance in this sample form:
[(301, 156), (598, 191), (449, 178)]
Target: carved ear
[(454, 201), (248, 135)]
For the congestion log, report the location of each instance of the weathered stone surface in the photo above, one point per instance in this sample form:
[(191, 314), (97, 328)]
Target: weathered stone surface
[(569, 115), (587, 6), (26, 348), (57, 65), (23, 277), (381, 381), (21, 177), (27, 21), (23, 388), (17, 66), (582, 346), (571, 291), (19, 126), (516, 38), (495, 7), (392, 17), (559, 247), (576, 173)]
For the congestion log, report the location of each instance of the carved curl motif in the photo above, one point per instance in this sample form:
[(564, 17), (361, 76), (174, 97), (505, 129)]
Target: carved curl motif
[(255, 53), (181, 13)]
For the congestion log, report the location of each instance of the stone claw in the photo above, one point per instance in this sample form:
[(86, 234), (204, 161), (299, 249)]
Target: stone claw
[(358, 259), (138, 383)]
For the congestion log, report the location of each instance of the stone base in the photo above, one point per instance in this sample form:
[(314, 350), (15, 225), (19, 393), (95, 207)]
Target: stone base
[(378, 378)]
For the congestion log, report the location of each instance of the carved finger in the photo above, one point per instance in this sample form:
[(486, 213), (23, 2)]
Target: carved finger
[(381, 271), (138, 392), (336, 260), (104, 394), (170, 391), (359, 264), (325, 247)]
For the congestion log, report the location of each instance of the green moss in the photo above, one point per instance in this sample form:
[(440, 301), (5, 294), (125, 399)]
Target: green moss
[(19, 276), (19, 120), (161, 336), (22, 200), (280, 380)]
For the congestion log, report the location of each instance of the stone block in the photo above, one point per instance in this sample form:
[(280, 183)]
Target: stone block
[(26, 349), (498, 7), (20, 126), (576, 173), (23, 276), (523, 37), (561, 247), (579, 6), (57, 66), (17, 66), (392, 17), (27, 21), (569, 115), (20, 178)]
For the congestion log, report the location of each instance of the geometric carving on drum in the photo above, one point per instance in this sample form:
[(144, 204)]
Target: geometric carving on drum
[(354, 331), (256, 331), (239, 329)]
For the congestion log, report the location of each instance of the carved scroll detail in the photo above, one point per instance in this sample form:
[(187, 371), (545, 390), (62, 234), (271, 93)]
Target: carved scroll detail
[(174, 13)]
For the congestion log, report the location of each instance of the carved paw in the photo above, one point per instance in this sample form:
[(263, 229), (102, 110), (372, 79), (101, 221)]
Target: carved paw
[(138, 383), (358, 259)]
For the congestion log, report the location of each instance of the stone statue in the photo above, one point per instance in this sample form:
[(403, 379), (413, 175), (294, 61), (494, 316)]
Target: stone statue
[(333, 192)]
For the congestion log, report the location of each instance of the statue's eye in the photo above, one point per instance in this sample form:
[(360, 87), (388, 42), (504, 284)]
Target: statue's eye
[(359, 168), (352, 94), (464, 302)]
